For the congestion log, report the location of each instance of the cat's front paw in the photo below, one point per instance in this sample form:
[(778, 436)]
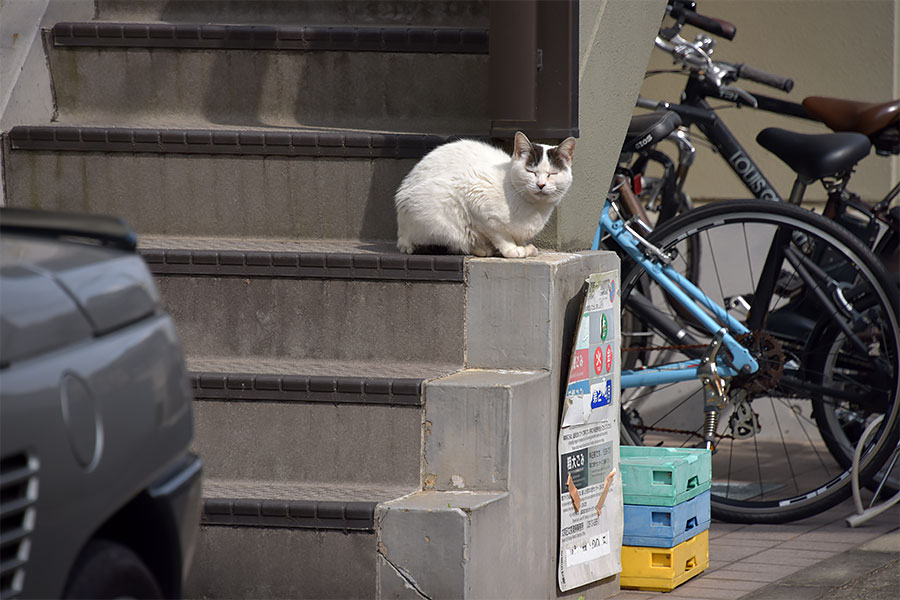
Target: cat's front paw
[(518, 251), (531, 250)]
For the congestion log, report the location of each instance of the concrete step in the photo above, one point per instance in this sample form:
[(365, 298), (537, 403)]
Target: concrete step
[(438, 13), (261, 539), (307, 421), (479, 427), (399, 78), (482, 517), (380, 305), (264, 302), (291, 184), (392, 531), (300, 542), (485, 546)]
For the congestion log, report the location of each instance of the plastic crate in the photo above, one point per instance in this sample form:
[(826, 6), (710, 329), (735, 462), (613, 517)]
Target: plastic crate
[(666, 526), (663, 476), (664, 569)]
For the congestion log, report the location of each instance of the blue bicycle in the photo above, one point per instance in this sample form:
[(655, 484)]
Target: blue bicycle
[(747, 327)]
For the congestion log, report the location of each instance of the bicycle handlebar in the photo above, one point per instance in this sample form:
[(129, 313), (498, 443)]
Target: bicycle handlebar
[(759, 76), (711, 25), (696, 56)]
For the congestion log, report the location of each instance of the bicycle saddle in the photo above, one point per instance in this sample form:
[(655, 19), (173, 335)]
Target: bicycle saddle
[(850, 115), (648, 129), (818, 155)]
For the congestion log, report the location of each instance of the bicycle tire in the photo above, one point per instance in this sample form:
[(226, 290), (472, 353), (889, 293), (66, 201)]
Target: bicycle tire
[(841, 422), (800, 477)]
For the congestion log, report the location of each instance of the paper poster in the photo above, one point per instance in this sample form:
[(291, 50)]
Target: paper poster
[(590, 490)]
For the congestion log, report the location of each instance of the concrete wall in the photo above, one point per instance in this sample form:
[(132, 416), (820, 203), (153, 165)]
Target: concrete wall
[(616, 38), (841, 48)]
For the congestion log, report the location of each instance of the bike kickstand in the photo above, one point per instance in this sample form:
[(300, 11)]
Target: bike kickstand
[(713, 389)]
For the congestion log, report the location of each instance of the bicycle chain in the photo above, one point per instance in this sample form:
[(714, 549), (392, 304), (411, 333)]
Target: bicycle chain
[(644, 428)]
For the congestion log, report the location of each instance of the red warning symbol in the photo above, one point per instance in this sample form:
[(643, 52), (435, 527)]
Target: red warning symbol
[(609, 358), (598, 361)]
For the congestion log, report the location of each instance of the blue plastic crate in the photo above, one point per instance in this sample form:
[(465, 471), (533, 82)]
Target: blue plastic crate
[(666, 526)]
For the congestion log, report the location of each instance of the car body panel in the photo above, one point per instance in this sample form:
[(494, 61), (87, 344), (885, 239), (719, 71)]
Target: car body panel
[(95, 395)]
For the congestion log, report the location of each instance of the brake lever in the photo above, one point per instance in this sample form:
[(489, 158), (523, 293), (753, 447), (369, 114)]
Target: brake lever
[(730, 91)]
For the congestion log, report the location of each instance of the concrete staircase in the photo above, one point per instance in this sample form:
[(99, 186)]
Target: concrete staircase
[(373, 424)]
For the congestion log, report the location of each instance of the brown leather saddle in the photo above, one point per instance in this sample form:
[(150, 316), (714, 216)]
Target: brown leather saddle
[(879, 121)]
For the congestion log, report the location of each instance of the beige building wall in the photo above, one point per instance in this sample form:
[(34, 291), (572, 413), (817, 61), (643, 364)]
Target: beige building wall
[(841, 48)]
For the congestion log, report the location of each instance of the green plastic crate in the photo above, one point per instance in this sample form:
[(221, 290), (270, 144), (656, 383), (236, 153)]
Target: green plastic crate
[(663, 476)]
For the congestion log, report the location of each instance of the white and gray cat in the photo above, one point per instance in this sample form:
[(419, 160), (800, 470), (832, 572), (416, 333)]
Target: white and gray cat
[(470, 197)]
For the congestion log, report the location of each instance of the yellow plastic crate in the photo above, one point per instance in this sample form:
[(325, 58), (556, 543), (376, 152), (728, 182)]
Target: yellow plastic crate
[(664, 569)]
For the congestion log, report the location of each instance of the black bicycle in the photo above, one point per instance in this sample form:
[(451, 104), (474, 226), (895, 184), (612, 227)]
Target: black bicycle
[(878, 123), (818, 371)]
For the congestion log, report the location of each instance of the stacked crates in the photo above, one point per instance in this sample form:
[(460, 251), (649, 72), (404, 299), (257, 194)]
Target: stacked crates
[(666, 534)]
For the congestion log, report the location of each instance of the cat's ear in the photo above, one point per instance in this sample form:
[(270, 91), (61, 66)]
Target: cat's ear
[(522, 146), (566, 149)]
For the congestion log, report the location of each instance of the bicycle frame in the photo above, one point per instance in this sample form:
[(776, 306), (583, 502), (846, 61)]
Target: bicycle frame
[(694, 110), (691, 298)]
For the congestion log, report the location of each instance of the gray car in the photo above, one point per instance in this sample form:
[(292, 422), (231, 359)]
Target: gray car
[(100, 492)]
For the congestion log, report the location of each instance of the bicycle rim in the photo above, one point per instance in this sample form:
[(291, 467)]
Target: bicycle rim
[(840, 420), (772, 462)]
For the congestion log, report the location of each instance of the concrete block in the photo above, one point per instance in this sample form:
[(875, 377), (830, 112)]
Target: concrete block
[(467, 424), (496, 430), (464, 545), (428, 543), (546, 288)]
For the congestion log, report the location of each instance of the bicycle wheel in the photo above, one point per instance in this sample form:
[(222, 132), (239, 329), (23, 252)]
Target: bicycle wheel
[(772, 462), (841, 420)]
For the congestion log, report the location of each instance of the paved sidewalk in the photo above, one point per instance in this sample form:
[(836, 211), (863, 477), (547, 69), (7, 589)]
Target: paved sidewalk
[(819, 557)]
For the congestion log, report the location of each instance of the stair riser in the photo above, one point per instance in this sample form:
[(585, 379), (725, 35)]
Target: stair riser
[(357, 90), (438, 13), (216, 195), (285, 442), (321, 319), (241, 562)]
